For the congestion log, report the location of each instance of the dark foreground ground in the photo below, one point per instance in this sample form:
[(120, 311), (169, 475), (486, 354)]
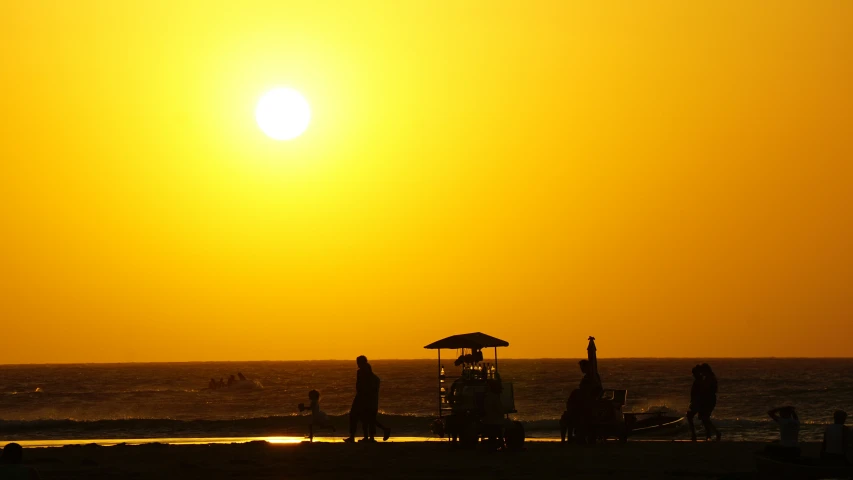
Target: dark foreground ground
[(666, 460)]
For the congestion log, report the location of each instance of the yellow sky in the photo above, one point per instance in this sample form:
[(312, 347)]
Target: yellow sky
[(673, 177)]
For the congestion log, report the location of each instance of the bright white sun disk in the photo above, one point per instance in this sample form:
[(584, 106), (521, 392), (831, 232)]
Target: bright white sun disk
[(283, 113)]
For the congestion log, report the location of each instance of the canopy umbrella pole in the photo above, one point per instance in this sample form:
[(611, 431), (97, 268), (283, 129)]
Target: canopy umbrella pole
[(592, 356), (439, 383), (496, 358)]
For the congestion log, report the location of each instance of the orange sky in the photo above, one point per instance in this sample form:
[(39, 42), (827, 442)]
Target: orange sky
[(673, 177)]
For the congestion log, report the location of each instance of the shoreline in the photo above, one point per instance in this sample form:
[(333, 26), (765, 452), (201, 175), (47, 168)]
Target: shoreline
[(400, 459), (276, 440)]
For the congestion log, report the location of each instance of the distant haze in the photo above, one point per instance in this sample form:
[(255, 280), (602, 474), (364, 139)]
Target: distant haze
[(675, 178)]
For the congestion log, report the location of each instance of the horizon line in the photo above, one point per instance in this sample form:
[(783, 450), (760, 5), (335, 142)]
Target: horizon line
[(418, 359)]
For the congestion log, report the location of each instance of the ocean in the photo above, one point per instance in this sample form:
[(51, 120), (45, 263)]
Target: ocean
[(154, 400)]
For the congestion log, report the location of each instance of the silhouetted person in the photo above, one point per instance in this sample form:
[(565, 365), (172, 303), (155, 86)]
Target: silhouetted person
[(212, 385), (240, 376), (695, 400), (708, 400), (474, 357), (581, 401), (363, 387), (371, 411), (789, 430), (11, 466), (493, 415), (836, 440), (567, 423), (221, 382), (454, 422), (319, 419), (590, 385), (231, 380)]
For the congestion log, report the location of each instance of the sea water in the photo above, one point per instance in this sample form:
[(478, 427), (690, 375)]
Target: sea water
[(154, 400)]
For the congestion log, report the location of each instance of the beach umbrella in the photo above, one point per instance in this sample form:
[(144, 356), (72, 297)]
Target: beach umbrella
[(591, 356)]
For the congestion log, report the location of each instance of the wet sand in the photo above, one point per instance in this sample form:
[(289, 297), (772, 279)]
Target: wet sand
[(419, 460)]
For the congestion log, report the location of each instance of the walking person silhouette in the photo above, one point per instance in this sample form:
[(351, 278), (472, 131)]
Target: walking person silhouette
[(708, 400), (370, 422), (363, 385)]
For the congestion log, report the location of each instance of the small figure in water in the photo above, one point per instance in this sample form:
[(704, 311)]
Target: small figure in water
[(231, 380), (836, 440), (789, 430), (212, 385), (221, 382), (319, 419), (240, 376)]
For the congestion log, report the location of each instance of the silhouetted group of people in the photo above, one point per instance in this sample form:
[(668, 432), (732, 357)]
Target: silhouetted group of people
[(584, 408), (836, 437), (703, 400), (364, 409), (365, 405), (213, 384)]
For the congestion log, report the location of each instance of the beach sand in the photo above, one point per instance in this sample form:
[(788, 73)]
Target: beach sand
[(419, 460)]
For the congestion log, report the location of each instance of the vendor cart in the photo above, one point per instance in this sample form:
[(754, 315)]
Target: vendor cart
[(467, 402)]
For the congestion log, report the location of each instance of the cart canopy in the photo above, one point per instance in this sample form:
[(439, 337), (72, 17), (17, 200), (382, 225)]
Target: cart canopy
[(475, 341)]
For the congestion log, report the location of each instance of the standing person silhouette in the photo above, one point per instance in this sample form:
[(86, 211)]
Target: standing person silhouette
[(581, 401), (695, 400), (370, 422), (11, 464), (708, 400), (364, 385)]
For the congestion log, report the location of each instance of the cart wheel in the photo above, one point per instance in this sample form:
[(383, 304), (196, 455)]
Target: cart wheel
[(514, 436), (623, 433)]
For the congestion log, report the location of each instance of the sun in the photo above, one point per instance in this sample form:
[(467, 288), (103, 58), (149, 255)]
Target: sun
[(283, 113)]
